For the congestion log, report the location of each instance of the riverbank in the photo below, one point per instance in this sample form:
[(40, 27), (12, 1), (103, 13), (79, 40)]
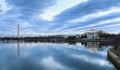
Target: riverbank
[(115, 58), (94, 40), (53, 39)]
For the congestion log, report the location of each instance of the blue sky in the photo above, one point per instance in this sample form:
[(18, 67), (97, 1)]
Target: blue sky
[(59, 16)]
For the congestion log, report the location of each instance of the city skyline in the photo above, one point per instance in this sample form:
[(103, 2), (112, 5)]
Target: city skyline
[(59, 17)]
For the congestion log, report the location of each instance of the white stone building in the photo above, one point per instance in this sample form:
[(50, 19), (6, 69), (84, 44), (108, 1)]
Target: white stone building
[(93, 34)]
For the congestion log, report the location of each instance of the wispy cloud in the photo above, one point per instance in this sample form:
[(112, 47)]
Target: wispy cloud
[(104, 22), (59, 7), (58, 16), (96, 15), (4, 7)]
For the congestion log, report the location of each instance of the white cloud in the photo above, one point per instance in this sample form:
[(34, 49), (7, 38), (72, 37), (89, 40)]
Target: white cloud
[(103, 22), (113, 28), (4, 7), (108, 21), (56, 9), (96, 15), (50, 64), (97, 61), (24, 24), (91, 17), (108, 26)]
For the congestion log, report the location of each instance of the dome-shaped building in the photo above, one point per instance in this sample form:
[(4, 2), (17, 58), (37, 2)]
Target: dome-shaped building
[(93, 34)]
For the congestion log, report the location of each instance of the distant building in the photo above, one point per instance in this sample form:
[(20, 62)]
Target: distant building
[(18, 31), (93, 34)]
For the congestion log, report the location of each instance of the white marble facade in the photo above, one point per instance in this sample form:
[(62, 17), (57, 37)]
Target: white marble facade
[(93, 34)]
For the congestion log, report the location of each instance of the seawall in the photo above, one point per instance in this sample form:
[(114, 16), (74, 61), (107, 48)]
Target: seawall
[(113, 57)]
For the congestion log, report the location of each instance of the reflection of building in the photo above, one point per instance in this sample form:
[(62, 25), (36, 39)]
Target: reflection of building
[(18, 42), (94, 46), (93, 34), (18, 45)]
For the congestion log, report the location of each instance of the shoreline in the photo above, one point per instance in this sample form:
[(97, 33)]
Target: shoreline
[(52, 39), (113, 58)]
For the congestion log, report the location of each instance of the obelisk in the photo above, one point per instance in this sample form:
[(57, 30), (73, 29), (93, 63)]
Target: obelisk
[(18, 32)]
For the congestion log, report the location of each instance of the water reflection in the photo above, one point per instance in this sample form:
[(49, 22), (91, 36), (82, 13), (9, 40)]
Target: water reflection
[(18, 45), (54, 56), (93, 46)]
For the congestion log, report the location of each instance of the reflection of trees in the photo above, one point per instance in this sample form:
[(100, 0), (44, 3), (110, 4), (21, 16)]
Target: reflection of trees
[(100, 45), (92, 45), (72, 42), (113, 38)]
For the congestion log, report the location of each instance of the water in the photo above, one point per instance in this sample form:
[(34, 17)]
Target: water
[(53, 56)]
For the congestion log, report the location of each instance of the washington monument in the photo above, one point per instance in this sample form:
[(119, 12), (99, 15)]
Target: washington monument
[(18, 32)]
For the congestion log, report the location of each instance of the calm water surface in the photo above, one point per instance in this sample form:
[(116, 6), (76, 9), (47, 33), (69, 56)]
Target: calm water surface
[(52, 56)]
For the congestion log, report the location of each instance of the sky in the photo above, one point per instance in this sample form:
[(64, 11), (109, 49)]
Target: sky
[(59, 16)]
